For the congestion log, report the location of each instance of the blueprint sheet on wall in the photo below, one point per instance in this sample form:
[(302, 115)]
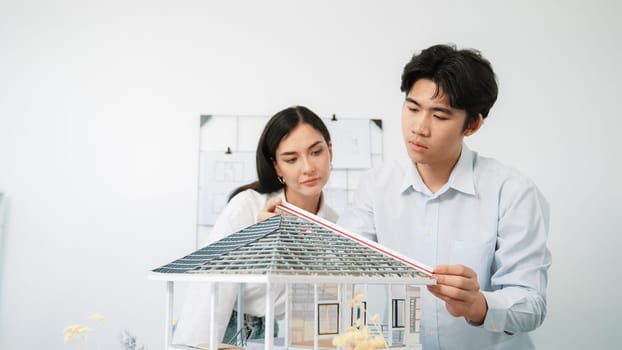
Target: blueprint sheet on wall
[(227, 160)]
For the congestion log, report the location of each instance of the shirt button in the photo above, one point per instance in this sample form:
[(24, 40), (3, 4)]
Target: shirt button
[(493, 326), (431, 332)]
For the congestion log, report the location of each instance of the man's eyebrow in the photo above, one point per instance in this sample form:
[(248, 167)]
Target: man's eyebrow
[(294, 152), (443, 110), (411, 100), (436, 108)]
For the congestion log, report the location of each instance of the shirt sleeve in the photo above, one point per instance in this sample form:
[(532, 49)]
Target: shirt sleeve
[(240, 212), (517, 299), (195, 321), (359, 215)]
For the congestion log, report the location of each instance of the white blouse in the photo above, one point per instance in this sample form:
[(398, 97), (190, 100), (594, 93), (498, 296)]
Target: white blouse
[(194, 321), (242, 211)]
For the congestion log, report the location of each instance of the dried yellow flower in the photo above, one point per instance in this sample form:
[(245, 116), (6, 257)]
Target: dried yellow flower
[(357, 301), (358, 336), (96, 317), (71, 331)]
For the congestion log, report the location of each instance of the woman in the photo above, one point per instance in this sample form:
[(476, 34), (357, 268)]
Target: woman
[(293, 162)]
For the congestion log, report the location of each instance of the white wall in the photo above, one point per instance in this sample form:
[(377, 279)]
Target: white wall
[(99, 106)]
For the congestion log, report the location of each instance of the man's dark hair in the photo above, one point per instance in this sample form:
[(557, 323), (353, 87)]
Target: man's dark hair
[(464, 76)]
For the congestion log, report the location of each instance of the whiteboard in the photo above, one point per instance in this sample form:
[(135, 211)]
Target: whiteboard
[(227, 160)]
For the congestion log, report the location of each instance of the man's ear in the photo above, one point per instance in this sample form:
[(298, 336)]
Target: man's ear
[(474, 125)]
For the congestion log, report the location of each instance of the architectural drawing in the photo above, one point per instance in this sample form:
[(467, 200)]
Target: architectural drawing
[(228, 141)]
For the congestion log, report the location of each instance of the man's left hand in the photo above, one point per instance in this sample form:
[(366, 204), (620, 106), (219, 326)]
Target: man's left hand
[(458, 287)]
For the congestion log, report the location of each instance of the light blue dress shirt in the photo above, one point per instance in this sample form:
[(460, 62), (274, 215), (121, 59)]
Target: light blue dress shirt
[(488, 217)]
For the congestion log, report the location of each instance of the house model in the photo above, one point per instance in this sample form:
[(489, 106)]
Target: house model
[(321, 267)]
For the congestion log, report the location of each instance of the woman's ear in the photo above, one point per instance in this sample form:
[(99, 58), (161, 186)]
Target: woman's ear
[(474, 125), (330, 151), (277, 170)]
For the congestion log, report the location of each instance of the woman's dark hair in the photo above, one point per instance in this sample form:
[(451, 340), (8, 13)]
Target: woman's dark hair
[(279, 126), (464, 76)]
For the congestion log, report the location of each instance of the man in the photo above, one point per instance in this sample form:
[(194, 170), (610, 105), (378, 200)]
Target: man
[(481, 224)]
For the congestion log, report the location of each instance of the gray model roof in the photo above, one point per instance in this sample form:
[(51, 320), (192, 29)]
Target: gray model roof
[(290, 245)]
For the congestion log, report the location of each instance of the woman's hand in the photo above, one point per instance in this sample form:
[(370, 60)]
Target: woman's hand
[(269, 210)]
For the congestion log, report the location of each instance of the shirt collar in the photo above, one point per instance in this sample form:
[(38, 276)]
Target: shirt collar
[(412, 179), (322, 212), (461, 177)]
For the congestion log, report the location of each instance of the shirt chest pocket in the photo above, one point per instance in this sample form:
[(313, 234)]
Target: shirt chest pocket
[(476, 255)]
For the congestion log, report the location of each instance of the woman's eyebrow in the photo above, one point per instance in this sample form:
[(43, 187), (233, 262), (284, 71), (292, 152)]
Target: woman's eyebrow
[(291, 153), (315, 144)]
